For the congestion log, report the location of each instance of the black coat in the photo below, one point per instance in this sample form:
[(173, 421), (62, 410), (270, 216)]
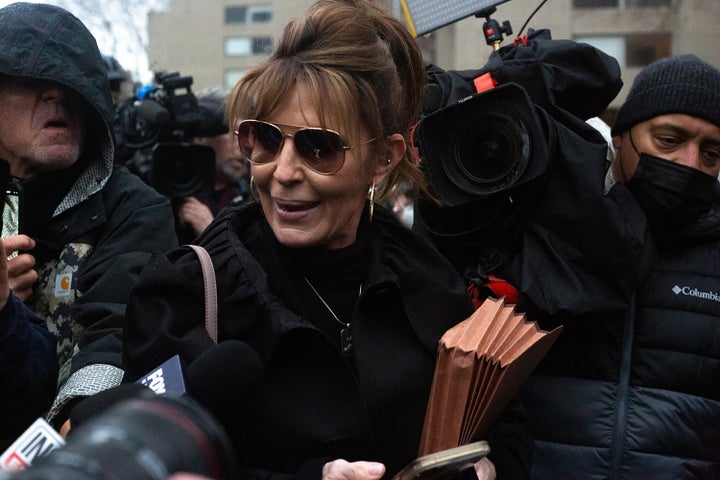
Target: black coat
[(314, 404), (94, 224), (635, 393)]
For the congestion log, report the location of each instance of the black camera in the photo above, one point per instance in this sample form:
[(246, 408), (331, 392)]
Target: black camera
[(495, 141), (149, 438), (154, 131)]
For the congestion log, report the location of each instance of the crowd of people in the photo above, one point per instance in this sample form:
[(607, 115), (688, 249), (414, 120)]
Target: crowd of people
[(325, 270)]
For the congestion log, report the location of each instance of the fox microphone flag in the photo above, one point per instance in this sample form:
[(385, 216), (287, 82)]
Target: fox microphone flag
[(36, 442)]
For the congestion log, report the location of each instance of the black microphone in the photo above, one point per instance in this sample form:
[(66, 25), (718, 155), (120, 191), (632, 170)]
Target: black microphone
[(225, 375), (218, 379)]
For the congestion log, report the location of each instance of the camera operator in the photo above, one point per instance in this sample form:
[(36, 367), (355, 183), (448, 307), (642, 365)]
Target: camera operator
[(232, 171), (630, 388), (639, 388)]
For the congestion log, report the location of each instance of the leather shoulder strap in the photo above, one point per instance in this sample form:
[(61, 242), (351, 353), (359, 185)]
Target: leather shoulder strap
[(210, 291)]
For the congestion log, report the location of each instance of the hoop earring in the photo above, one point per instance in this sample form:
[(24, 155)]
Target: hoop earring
[(254, 189), (372, 202)]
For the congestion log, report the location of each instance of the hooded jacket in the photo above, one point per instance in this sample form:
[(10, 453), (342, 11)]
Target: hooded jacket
[(94, 223)]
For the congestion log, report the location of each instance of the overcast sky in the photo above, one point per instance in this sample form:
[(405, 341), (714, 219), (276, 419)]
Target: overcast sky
[(129, 53)]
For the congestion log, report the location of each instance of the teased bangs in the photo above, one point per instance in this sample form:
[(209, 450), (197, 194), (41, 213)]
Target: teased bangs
[(335, 94)]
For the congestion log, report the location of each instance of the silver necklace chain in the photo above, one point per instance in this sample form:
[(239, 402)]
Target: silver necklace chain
[(346, 338)]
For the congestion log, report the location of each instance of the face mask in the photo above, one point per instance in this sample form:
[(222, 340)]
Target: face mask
[(669, 193)]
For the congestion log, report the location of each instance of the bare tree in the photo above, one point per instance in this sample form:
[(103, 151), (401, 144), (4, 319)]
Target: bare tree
[(120, 27)]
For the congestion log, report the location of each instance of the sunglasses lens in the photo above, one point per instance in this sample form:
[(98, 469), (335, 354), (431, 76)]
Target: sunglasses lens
[(322, 150), (259, 142)]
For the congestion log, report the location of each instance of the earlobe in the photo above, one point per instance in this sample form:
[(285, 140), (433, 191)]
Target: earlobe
[(395, 148), (394, 152), (617, 142)]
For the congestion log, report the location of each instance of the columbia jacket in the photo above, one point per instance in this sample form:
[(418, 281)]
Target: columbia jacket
[(94, 222), (635, 393)]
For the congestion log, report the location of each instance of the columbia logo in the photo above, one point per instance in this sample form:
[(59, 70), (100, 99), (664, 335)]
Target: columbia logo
[(694, 292)]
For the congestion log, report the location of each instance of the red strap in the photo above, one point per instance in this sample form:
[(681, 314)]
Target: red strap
[(413, 148), (521, 39), (499, 288)]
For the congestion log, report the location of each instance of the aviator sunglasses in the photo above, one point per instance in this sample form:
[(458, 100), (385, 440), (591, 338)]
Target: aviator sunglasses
[(322, 150)]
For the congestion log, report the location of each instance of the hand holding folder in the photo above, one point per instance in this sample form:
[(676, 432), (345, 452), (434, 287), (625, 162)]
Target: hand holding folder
[(482, 363)]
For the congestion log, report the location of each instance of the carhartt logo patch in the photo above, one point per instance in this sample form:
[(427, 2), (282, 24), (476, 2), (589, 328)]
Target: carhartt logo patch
[(63, 282)]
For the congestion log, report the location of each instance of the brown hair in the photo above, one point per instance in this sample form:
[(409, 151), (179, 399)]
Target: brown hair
[(358, 63)]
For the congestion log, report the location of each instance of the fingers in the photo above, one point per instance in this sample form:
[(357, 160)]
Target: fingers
[(485, 469), (195, 214), (16, 243), (18, 271), (4, 286), (343, 470)]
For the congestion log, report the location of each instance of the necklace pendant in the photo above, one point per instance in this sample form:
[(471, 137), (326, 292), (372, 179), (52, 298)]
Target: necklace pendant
[(346, 340)]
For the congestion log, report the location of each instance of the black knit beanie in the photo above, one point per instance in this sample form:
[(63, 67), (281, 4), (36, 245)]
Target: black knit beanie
[(680, 84)]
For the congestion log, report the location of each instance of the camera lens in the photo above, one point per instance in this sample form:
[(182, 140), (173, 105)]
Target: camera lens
[(183, 173), (183, 169), (490, 153), (147, 438)]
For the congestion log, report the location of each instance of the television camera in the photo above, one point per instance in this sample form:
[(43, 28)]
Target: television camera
[(154, 132), (518, 174)]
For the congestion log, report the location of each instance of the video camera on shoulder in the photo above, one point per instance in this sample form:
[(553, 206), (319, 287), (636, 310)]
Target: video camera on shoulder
[(494, 140), (154, 132)]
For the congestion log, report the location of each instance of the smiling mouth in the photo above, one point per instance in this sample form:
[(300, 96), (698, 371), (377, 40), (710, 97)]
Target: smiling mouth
[(295, 206)]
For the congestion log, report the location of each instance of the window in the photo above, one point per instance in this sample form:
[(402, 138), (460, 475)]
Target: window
[(633, 50), (245, 46), (232, 77), (262, 45), (644, 49), (620, 3), (249, 14)]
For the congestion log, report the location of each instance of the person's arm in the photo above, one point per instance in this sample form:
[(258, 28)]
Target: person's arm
[(28, 361), (139, 222)]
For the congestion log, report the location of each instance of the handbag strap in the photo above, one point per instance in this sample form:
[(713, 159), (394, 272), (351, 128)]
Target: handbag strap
[(210, 291)]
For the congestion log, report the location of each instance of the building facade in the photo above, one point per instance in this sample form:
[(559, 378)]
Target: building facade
[(216, 41)]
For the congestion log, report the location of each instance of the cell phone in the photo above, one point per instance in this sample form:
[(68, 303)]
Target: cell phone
[(445, 465)]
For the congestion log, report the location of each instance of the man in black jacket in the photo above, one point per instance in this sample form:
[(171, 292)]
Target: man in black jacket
[(635, 394), (78, 227)]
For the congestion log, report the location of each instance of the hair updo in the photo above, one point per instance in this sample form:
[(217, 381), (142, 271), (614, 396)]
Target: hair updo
[(358, 63)]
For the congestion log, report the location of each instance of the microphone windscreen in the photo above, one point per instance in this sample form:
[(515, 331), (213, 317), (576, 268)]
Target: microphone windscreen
[(93, 405), (224, 376)]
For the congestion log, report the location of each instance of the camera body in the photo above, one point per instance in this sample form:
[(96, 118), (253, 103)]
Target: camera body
[(154, 130), (491, 140), (519, 175)]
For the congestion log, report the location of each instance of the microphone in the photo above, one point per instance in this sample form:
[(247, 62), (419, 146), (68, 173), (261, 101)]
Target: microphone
[(217, 380), (38, 440), (167, 379), (224, 375)]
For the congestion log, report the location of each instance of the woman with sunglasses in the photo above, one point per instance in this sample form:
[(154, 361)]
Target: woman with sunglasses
[(343, 304)]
